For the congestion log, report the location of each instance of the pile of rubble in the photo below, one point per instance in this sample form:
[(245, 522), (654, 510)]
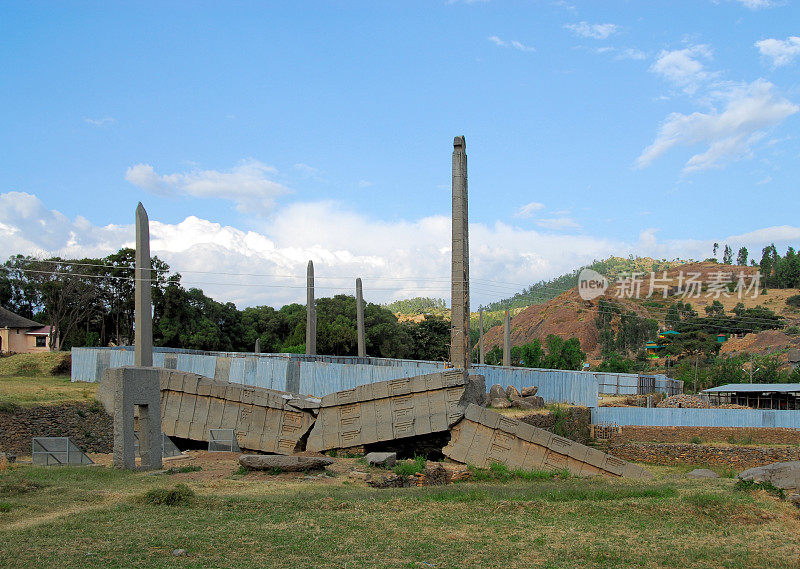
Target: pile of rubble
[(511, 397), (684, 402)]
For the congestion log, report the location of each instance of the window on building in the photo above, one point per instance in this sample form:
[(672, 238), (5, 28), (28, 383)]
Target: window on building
[(41, 341)]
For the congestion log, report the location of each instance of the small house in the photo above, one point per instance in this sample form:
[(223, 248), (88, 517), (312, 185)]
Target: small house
[(20, 335)]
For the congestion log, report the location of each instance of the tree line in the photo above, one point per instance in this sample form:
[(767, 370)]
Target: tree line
[(90, 302)]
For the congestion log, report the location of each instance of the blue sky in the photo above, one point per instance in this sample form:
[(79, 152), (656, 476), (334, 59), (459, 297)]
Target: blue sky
[(259, 135)]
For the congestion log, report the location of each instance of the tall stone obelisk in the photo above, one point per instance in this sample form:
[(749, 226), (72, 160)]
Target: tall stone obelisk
[(459, 298), (143, 305), (362, 347), (507, 341), (481, 352), (311, 313)]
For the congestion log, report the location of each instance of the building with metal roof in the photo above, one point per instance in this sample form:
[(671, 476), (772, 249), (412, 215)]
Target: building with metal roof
[(757, 395)]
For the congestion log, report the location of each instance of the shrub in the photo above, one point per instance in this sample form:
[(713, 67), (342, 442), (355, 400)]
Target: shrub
[(768, 487), (793, 330), (177, 495), (560, 416), (5, 507), (695, 440), (794, 300), (409, 467)]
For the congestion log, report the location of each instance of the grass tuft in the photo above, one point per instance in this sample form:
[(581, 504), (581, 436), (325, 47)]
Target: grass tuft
[(178, 495), (410, 467), (182, 469)]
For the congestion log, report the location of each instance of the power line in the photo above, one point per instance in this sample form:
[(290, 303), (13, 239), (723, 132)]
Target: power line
[(663, 312)]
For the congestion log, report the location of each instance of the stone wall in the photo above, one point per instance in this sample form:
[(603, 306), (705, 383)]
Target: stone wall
[(89, 426), (736, 457), (571, 423), (733, 435)]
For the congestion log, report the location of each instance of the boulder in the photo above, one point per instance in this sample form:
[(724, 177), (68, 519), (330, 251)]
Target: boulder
[(536, 401), (520, 403), (702, 473), (512, 392), (382, 459), (784, 475), (497, 392), (498, 403), (530, 391), (282, 462)]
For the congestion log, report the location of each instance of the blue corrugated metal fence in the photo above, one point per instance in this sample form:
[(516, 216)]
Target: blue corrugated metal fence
[(321, 375), (667, 417)]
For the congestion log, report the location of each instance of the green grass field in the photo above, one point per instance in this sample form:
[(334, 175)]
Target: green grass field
[(28, 380), (29, 391), (97, 517)]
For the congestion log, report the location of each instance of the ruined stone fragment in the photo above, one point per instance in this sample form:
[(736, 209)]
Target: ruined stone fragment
[(484, 437), (394, 409), (283, 463)]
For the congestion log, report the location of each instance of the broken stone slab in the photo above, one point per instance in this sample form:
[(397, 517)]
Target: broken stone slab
[(283, 463), (484, 437), (383, 459), (498, 403), (530, 391), (497, 392), (262, 419), (394, 409), (702, 473), (784, 475)]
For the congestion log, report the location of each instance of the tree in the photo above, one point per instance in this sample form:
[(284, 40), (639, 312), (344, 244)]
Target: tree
[(715, 309), (716, 246), (727, 255), (741, 257), (531, 354)]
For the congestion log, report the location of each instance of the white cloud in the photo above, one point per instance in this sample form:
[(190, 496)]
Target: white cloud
[(105, 121), (400, 259), (781, 52), (528, 209), (683, 68), (765, 180), (627, 53), (595, 31), (632, 53), (558, 223), (759, 4), (512, 43), (247, 184), (364, 184), (729, 135)]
